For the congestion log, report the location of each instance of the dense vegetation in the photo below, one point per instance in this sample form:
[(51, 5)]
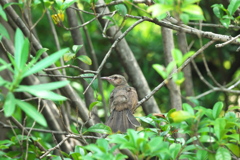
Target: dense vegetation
[(182, 56)]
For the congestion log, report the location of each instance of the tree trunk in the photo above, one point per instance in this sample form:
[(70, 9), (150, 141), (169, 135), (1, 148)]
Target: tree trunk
[(168, 45), (130, 65)]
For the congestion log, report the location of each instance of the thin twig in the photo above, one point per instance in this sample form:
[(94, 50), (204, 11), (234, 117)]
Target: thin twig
[(63, 76), (213, 25), (227, 42), (175, 71), (110, 50), (70, 66)]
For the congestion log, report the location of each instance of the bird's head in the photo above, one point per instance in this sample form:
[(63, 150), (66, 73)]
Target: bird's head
[(116, 80)]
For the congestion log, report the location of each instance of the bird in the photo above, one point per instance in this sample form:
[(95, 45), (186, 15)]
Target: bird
[(123, 101)]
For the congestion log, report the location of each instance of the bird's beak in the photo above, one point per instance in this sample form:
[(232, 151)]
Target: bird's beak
[(106, 78)]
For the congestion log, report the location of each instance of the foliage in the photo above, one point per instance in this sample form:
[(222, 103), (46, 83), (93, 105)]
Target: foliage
[(21, 68), (226, 15), (207, 134), (186, 9)]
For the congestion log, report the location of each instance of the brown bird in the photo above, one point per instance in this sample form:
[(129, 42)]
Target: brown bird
[(123, 101)]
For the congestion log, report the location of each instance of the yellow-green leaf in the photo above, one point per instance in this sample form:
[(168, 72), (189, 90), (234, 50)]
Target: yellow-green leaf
[(85, 59)]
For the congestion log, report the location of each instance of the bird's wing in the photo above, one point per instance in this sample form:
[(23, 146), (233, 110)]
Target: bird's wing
[(133, 98)]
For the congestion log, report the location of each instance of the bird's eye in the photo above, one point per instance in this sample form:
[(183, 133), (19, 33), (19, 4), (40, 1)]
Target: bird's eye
[(115, 77)]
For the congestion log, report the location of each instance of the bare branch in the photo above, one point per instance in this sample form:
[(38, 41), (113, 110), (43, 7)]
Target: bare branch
[(175, 71), (70, 66), (110, 50), (225, 43)]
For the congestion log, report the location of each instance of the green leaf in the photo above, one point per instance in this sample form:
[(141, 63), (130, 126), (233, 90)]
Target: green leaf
[(207, 139), (219, 128), (121, 9), (174, 149), (170, 67), (233, 6), (234, 148), (3, 14), (93, 104), (202, 154), (161, 70), (38, 55), (177, 56), (5, 65), (69, 56), (46, 62), (179, 116), (85, 59), (187, 55), (118, 138), (88, 80), (9, 105), (100, 128), (41, 93), (188, 108), (223, 154), (19, 45), (76, 48), (184, 17), (217, 108), (68, 3), (46, 86), (178, 78), (192, 9), (24, 54), (159, 9), (225, 22), (218, 10), (3, 31), (32, 112)]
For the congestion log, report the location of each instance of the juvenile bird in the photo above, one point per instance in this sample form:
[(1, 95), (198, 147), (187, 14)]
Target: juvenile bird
[(123, 101)]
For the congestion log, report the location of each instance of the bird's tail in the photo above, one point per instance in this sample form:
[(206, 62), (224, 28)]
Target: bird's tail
[(120, 121)]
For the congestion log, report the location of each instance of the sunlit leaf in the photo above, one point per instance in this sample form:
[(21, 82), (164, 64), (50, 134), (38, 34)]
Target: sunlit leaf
[(217, 108), (18, 44), (69, 56), (179, 116), (219, 128), (161, 70), (223, 154), (159, 9), (76, 48), (234, 148), (192, 9), (100, 128), (45, 86), (85, 59), (233, 6), (93, 104)]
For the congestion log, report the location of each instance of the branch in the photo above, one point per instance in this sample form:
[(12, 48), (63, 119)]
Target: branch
[(70, 66), (110, 51), (66, 138), (212, 25), (33, 129), (225, 43), (19, 125), (184, 28), (175, 71), (147, 2)]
